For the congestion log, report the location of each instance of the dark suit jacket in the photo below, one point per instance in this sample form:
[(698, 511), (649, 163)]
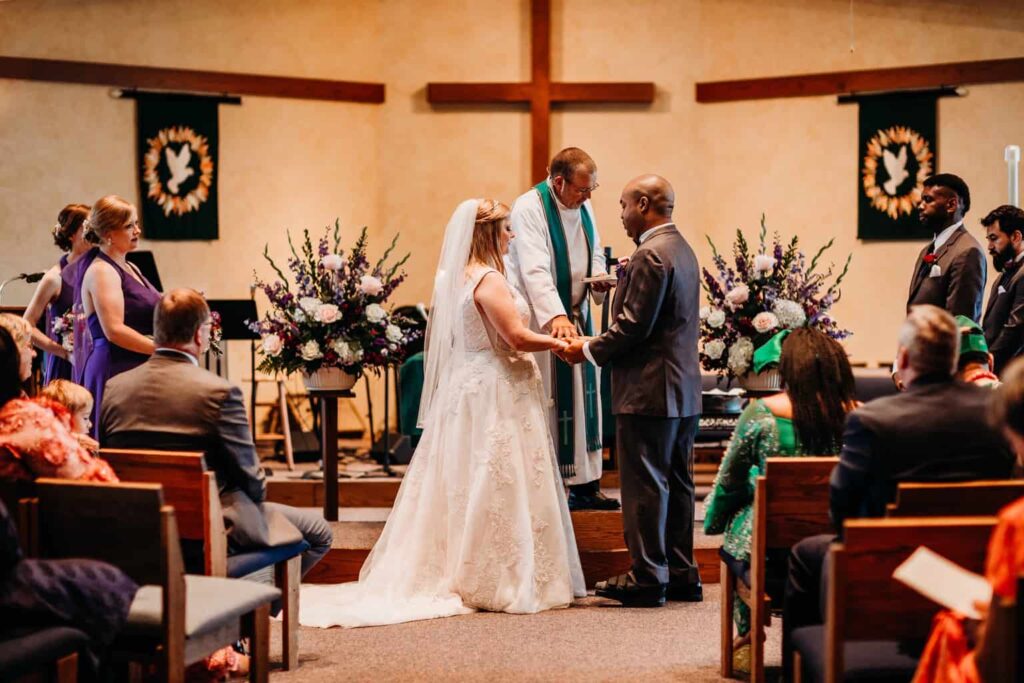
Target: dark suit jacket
[(167, 403), (1004, 317), (960, 287), (651, 344), (937, 430)]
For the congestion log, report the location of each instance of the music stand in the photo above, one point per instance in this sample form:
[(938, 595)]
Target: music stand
[(234, 317), (144, 261)]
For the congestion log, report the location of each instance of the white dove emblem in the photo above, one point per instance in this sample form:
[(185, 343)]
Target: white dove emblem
[(896, 167), (180, 170)]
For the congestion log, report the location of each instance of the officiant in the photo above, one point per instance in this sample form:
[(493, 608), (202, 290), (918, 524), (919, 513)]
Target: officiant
[(557, 246)]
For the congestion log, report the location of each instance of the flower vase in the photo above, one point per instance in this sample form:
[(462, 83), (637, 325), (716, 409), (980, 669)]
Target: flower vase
[(767, 382), (329, 379)]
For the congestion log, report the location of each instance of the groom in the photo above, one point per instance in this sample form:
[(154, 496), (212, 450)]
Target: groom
[(651, 347)]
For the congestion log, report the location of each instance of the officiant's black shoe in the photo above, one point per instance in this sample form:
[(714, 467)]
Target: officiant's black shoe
[(593, 501), (626, 590), (687, 592)]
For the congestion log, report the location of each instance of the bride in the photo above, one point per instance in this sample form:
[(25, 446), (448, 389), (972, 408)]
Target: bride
[(480, 521)]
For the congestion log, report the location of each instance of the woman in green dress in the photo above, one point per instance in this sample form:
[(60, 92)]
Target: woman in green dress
[(806, 418)]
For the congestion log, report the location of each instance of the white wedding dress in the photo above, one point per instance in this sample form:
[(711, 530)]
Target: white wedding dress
[(480, 521)]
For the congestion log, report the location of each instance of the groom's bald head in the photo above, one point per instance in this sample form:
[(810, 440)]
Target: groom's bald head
[(646, 201)]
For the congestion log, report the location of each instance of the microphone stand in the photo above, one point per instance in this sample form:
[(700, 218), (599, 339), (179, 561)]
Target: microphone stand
[(27, 277)]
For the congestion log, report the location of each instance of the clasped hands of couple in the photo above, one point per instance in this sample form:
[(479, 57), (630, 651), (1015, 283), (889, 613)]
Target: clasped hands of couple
[(563, 330)]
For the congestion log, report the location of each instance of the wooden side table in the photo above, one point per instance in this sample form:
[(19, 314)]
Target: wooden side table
[(329, 446)]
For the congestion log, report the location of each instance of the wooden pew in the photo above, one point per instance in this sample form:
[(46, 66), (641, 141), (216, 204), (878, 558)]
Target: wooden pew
[(129, 526), (865, 603), (790, 503), (988, 497), (192, 490)]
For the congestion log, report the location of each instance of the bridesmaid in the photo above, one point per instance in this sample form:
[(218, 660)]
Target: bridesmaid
[(115, 298), (55, 292)]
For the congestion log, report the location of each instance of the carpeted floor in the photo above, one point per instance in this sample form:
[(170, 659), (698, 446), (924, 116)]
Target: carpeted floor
[(595, 640)]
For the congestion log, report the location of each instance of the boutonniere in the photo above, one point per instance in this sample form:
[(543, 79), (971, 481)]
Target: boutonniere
[(929, 258)]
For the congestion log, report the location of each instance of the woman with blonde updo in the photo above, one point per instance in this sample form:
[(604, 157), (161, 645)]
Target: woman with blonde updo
[(116, 300), (55, 292), (481, 521)]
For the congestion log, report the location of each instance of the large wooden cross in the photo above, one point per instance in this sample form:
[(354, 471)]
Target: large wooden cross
[(540, 92)]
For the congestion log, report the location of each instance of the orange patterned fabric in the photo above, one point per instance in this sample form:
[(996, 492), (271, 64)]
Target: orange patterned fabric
[(36, 440), (946, 657)]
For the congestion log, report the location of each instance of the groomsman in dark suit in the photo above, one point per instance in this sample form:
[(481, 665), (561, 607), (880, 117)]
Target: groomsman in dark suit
[(950, 270), (1004, 314), (651, 348)]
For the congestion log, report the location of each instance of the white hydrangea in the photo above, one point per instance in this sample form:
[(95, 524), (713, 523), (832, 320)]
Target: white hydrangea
[(714, 349), (765, 321), (716, 318), (375, 313), (311, 350), (789, 313), (393, 333), (740, 354)]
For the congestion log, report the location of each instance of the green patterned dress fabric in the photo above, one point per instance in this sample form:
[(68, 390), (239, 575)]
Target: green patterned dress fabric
[(729, 508)]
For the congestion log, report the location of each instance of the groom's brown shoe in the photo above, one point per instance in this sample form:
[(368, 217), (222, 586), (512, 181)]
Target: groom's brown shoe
[(626, 590)]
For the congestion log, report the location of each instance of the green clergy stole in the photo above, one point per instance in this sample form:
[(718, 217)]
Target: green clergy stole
[(565, 407)]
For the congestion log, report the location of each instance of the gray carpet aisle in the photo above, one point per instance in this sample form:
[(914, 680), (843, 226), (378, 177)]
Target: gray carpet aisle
[(595, 640)]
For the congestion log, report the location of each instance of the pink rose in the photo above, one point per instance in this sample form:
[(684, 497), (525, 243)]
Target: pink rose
[(327, 314), (765, 321), (370, 285), (737, 296)]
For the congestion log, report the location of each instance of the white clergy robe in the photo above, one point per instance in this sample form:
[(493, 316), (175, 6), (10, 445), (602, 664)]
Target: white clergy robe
[(531, 264)]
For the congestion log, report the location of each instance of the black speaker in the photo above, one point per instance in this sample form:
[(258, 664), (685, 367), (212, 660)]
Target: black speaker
[(305, 446), (399, 449)]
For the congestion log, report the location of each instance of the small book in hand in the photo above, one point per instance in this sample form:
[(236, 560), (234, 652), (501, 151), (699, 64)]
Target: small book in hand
[(600, 278)]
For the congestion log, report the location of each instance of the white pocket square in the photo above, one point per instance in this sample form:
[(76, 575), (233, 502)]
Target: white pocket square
[(1001, 290), (935, 271)]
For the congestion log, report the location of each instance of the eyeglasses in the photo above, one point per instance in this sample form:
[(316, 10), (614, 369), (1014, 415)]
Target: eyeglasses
[(581, 190)]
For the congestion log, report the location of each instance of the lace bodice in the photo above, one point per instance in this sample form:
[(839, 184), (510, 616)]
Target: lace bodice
[(479, 334)]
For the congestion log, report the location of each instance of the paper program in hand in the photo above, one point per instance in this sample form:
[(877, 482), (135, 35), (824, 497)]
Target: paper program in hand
[(944, 582)]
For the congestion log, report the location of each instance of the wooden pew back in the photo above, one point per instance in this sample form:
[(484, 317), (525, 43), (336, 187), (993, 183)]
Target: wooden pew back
[(865, 602), (971, 498), (795, 499), (188, 487)]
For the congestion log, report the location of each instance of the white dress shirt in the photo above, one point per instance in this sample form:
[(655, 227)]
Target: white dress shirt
[(943, 236)]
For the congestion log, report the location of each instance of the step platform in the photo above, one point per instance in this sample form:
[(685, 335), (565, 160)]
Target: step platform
[(598, 536)]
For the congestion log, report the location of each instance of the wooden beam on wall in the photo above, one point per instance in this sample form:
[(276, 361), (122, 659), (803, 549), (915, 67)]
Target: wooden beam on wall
[(868, 80), (217, 82)]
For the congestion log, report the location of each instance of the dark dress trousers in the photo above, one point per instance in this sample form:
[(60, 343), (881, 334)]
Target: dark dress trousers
[(937, 430), (1004, 316), (169, 403), (651, 348), (961, 283)]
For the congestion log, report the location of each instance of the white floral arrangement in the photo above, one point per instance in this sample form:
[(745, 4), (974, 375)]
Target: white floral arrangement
[(761, 294), (336, 316)]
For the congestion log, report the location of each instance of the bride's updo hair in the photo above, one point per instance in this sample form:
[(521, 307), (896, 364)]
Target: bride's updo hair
[(69, 220), (108, 214), (491, 217)]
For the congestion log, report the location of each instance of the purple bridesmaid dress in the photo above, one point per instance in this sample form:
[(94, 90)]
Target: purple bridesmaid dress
[(107, 359), (56, 367)]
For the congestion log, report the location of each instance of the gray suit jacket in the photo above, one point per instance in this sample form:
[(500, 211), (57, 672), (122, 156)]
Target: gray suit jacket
[(167, 403), (961, 286), (1004, 317), (651, 344)]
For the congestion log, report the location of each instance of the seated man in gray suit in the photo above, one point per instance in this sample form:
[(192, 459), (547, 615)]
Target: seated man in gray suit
[(170, 403)]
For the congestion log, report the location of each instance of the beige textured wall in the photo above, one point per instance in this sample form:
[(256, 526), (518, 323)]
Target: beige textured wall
[(404, 166)]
